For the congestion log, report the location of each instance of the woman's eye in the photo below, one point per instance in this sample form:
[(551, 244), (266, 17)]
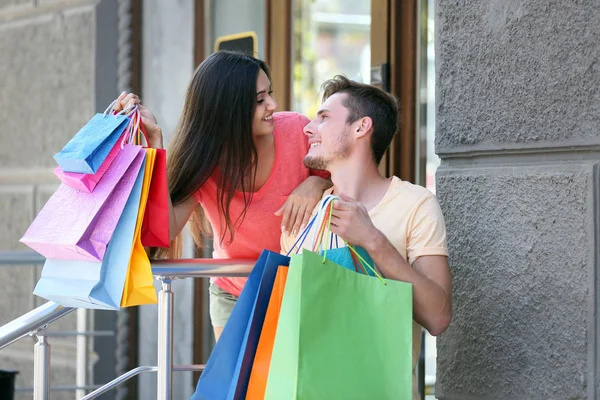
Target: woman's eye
[(260, 101)]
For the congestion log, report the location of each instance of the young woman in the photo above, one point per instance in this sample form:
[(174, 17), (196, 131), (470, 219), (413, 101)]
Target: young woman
[(240, 162)]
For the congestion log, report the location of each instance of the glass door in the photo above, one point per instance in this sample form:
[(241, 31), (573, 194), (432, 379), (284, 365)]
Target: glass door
[(329, 37)]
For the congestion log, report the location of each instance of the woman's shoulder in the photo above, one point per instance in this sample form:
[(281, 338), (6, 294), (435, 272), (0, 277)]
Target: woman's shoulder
[(286, 120)]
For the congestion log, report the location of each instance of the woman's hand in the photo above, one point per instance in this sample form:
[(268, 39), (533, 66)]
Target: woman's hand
[(298, 208), (153, 131)]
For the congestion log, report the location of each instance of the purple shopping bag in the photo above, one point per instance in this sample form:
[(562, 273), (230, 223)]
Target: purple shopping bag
[(76, 225)]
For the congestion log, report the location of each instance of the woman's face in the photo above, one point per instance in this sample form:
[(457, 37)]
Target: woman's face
[(265, 106)]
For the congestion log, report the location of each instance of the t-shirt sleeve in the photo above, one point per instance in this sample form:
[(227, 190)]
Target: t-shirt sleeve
[(303, 121), (427, 231), (286, 242)]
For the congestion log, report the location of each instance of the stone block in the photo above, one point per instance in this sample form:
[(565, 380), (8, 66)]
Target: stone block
[(16, 212), (522, 255), (16, 203), (516, 74), (7, 5), (49, 95)]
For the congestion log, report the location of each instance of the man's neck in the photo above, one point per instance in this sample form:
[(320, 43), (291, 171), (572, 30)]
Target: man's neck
[(361, 181)]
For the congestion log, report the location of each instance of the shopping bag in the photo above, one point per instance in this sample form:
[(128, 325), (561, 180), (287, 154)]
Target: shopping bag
[(87, 182), (88, 284), (155, 229), (230, 362), (334, 326), (262, 359), (78, 226), (241, 375), (88, 149), (139, 283)]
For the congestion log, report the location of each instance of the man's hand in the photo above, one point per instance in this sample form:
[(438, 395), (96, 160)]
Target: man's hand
[(298, 207), (351, 221)]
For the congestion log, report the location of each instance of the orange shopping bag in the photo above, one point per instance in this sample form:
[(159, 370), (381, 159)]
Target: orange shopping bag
[(139, 283), (262, 359)]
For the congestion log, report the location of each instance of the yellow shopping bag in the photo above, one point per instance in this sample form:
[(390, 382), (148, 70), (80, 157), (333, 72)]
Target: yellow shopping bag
[(139, 284)]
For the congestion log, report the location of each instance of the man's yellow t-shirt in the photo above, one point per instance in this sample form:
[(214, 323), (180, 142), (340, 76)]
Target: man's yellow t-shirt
[(411, 219)]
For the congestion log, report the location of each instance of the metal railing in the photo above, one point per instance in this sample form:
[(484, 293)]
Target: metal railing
[(15, 259), (36, 321)]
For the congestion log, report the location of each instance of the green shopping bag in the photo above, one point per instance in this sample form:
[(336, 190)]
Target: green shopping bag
[(341, 335)]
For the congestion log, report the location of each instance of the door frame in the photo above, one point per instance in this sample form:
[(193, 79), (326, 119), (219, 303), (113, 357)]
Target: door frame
[(394, 39)]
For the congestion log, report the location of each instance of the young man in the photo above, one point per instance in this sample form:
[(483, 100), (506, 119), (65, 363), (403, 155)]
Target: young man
[(399, 224)]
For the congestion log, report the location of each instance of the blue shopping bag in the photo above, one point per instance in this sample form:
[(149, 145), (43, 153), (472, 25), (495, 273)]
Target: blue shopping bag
[(86, 151), (343, 257), (228, 369), (89, 284), (243, 368)]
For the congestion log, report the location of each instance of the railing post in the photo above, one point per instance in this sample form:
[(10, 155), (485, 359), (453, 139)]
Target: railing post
[(165, 340), (41, 366), (81, 371)]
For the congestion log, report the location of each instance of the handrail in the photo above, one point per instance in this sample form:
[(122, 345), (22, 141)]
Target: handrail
[(50, 311), (201, 267), (30, 322), (35, 321), (20, 258), (135, 372), (118, 380), (179, 268)]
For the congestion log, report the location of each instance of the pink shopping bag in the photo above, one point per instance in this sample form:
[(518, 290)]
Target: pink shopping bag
[(78, 226)]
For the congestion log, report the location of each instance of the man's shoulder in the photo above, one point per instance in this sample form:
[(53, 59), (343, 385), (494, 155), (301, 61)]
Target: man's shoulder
[(408, 194)]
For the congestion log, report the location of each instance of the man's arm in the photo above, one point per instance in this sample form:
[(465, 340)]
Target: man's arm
[(429, 274)]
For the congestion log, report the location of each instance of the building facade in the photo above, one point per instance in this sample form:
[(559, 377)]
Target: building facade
[(501, 116)]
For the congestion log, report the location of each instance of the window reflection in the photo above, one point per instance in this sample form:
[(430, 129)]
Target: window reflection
[(329, 37), (427, 159)]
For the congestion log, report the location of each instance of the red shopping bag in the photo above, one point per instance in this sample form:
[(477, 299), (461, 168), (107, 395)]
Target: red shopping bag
[(155, 227)]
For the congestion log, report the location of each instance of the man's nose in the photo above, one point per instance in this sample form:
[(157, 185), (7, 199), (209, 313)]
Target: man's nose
[(308, 129)]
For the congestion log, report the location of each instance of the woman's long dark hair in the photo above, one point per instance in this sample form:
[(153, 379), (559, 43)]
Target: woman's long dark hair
[(215, 133)]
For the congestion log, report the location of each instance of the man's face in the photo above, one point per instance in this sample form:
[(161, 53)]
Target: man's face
[(329, 134)]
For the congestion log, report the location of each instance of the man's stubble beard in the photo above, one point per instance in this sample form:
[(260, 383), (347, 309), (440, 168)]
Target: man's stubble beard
[(342, 151)]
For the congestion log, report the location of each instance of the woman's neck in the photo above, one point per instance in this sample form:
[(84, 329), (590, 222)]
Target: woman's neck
[(265, 152), (264, 143)]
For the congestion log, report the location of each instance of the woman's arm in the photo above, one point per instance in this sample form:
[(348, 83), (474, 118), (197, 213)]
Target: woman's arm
[(180, 214), (298, 207)]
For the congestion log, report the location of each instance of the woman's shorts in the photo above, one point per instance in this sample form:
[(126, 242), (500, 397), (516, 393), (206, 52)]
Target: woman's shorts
[(221, 305)]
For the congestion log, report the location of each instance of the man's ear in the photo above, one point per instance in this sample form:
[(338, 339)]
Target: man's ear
[(363, 126)]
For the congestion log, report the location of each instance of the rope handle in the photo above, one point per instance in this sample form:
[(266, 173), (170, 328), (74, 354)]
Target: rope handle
[(303, 235), (135, 129), (325, 231)]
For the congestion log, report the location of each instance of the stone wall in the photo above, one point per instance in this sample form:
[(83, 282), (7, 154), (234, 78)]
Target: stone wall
[(518, 131), (48, 78)]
